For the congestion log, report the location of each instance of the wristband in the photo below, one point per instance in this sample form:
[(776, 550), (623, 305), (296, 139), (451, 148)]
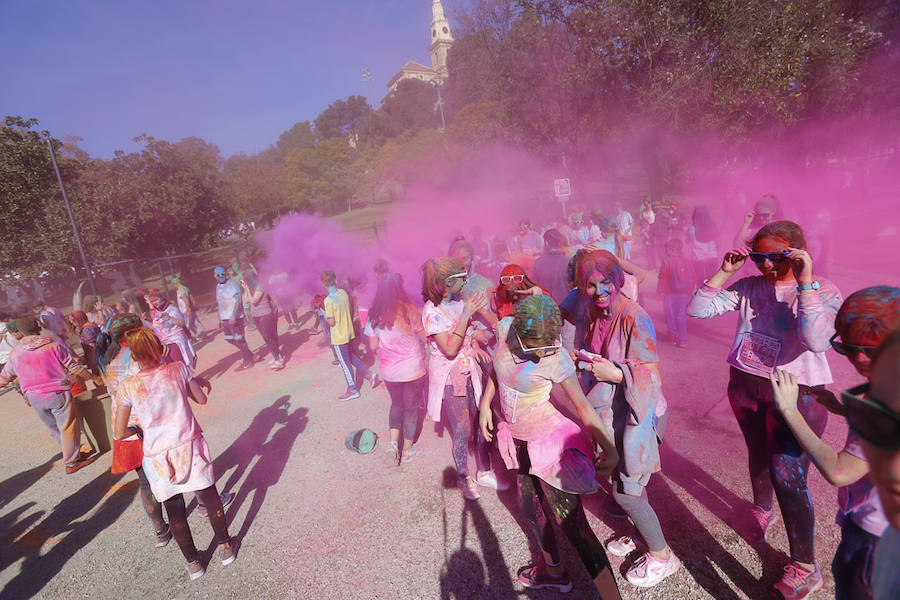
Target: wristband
[(462, 337), (808, 286)]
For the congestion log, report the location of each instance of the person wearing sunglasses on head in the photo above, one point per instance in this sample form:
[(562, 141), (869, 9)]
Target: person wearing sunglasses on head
[(454, 376), (786, 322), (863, 322), (552, 456), (514, 286), (622, 368)]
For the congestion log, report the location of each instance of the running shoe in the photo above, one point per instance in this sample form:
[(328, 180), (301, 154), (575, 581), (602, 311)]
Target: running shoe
[(244, 366), (468, 488), (79, 464), (226, 499), (621, 546), (227, 553), (761, 519), (536, 577), (164, 537), (797, 583), (349, 395), (195, 570), (410, 454), (489, 480), (648, 570)]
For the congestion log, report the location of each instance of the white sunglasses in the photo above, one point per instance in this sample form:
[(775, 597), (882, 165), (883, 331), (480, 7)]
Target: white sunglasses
[(555, 348)]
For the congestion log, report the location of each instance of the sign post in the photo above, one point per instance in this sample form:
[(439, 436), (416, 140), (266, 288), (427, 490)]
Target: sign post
[(562, 189)]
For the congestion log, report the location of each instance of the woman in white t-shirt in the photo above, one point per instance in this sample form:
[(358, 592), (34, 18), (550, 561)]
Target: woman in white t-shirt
[(396, 335), (454, 375)]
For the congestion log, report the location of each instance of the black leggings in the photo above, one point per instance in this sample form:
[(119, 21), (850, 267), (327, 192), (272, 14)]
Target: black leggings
[(568, 513), (178, 524), (406, 397), (151, 506), (267, 325), (778, 465)]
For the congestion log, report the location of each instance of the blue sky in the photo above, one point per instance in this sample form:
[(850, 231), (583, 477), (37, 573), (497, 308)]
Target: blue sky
[(236, 74)]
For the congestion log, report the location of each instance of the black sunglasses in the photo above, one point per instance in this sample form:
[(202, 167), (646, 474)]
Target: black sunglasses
[(774, 257), (851, 349), (870, 420)]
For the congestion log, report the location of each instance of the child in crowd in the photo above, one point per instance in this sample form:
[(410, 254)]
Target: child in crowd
[(339, 317), (864, 321), (176, 456), (553, 457), (786, 322), (675, 285), (395, 332)]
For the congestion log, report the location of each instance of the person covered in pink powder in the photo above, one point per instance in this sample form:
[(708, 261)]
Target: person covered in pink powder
[(786, 321), (553, 458), (169, 326), (621, 363), (395, 332), (863, 323), (454, 375), (176, 456), (45, 369)]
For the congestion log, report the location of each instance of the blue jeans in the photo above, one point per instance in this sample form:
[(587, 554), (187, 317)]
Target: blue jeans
[(853, 562), (676, 315)]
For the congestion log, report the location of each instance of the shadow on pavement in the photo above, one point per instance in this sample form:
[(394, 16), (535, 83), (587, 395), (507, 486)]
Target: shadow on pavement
[(64, 531), (18, 483), (701, 554), (273, 456), (463, 574)]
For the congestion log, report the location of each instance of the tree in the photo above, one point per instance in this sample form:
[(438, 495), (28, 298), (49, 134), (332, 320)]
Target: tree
[(29, 195), (341, 117), (301, 135)]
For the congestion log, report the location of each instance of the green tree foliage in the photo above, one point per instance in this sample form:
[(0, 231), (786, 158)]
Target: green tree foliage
[(253, 186), (29, 195), (342, 117)]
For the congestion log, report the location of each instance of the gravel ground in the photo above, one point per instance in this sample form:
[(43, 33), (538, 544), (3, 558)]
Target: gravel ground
[(315, 520)]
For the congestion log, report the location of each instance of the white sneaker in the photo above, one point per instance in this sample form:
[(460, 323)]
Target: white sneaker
[(489, 480), (469, 489), (647, 571), (621, 546)]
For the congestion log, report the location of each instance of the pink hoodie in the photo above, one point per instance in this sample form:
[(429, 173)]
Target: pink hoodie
[(42, 365)]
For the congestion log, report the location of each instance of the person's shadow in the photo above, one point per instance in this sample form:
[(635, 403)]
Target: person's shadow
[(273, 456), (63, 525), (11, 488), (463, 572)]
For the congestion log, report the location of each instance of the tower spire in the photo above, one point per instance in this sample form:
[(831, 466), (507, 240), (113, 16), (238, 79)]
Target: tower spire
[(441, 39)]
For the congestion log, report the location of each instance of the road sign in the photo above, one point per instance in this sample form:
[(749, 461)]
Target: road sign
[(563, 188)]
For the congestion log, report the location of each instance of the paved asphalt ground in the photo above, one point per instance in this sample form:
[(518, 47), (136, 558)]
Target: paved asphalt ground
[(314, 520)]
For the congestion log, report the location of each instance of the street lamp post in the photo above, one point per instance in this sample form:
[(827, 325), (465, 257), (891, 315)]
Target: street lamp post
[(367, 77), (84, 260), (436, 84)]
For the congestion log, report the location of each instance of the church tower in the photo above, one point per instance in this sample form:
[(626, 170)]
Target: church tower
[(441, 39)]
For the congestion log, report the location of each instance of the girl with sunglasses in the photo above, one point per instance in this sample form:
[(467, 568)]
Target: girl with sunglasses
[(864, 321), (454, 376), (514, 285), (553, 457), (786, 322), (625, 389)]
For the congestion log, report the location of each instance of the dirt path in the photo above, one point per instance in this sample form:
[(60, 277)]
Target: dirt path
[(316, 521)]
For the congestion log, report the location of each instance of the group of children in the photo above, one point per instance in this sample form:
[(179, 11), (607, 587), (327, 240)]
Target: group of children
[(491, 354)]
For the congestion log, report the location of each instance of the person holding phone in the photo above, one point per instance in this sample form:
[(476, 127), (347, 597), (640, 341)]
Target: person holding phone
[(786, 323)]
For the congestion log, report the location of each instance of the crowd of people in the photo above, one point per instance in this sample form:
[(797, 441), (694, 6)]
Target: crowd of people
[(540, 351)]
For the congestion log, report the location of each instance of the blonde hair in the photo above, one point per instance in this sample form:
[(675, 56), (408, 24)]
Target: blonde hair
[(144, 345)]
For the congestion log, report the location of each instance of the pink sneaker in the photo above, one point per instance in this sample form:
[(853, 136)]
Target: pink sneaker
[(797, 583), (761, 519), (536, 577)]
